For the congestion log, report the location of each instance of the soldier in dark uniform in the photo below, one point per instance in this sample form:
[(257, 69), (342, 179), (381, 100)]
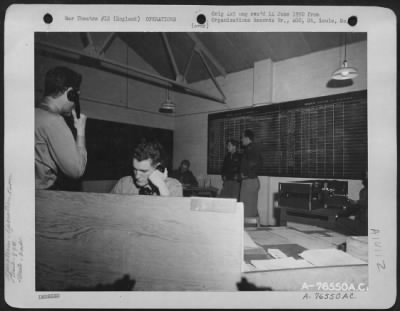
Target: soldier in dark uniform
[(249, 167), (231, 171)]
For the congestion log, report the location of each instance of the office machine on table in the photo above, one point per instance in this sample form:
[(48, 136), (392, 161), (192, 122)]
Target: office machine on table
[(193, 191), (313, 194), (92, 241), (312, 201)]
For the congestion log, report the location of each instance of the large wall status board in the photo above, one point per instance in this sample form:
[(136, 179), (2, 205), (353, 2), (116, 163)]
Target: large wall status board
[(110, 147), (324, 137)]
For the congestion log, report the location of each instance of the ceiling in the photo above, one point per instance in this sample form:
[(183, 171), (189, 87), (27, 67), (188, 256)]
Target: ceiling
[(233, 51)]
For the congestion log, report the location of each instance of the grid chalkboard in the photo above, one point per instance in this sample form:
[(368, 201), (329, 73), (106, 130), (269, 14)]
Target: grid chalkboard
[(323, 137), (110, 147)]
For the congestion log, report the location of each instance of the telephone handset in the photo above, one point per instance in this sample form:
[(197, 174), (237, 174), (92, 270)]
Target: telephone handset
[(151, 189), (160, 168), (73, 96)]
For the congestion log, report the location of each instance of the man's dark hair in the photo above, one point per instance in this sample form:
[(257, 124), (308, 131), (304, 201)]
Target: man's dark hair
[(59, 79), (185, 162), (234, 142), (365, 179), (150, 150), (249, 134)]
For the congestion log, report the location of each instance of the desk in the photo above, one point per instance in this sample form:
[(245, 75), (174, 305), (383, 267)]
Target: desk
[(146, 243), (298, 237), (191, 191), (86, 240), (324, 217)]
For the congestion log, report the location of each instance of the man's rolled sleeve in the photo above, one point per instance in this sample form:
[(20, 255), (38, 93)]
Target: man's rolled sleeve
[(70, 158)]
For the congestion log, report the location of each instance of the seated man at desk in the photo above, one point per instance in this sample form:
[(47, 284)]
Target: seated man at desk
[(185, 175), (149, 176), (358, 210)]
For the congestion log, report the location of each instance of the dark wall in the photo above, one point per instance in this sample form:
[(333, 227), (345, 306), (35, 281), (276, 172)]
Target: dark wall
[(110, 147)]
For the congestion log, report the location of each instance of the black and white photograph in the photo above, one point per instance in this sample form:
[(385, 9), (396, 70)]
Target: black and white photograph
[(207, 157)]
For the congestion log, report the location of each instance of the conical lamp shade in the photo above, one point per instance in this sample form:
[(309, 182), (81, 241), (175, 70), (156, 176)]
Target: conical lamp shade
[(345, 72), (168, 106)]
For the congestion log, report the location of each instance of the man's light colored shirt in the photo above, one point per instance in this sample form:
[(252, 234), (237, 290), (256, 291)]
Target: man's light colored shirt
[(126, 186), (55, 149)]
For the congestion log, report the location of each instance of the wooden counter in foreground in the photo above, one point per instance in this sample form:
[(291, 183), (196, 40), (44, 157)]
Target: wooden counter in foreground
[(88, 241)]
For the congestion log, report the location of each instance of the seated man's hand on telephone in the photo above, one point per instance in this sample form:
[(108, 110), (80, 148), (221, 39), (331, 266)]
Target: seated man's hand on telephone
[(157, 178)]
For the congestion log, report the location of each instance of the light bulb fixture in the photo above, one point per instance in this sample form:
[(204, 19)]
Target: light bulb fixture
[(168, 106), (345, 72)]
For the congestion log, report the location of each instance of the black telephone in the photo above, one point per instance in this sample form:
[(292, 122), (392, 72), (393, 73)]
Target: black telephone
[(73, 96), (151, 189)]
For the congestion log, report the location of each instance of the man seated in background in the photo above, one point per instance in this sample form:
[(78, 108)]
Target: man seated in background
[(357, 211), (185, 175), (149, 177)]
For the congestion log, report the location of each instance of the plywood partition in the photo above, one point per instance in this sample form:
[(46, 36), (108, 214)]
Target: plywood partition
[(87, 241)]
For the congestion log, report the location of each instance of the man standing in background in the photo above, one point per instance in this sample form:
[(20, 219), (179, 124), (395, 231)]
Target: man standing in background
[(231, 171), (57, 152), (250, 165)]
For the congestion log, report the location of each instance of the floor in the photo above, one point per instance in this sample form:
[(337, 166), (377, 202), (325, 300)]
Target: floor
[(292, 240)]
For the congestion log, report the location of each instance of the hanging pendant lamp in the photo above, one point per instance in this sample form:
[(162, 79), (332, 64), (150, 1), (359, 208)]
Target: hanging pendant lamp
[(168, 106), (345, 72)]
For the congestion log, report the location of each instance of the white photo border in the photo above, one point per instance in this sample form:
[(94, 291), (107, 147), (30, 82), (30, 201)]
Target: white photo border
[(22, 21)]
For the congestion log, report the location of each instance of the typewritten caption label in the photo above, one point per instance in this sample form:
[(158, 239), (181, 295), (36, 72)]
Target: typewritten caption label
[(225, 16)]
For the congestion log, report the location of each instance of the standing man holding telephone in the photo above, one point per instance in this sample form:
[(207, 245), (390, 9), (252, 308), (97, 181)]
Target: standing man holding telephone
[(57, 152), (149, 176)]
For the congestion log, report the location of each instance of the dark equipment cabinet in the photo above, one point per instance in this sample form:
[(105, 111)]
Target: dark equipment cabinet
[(297, 195), (313, 194)]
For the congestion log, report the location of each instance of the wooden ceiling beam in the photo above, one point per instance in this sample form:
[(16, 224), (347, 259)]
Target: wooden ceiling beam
[(89, 48), (210, 73), (107, 42), (178, 76), (187, 66), (89, 37), (123, 69), (207, 53)]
